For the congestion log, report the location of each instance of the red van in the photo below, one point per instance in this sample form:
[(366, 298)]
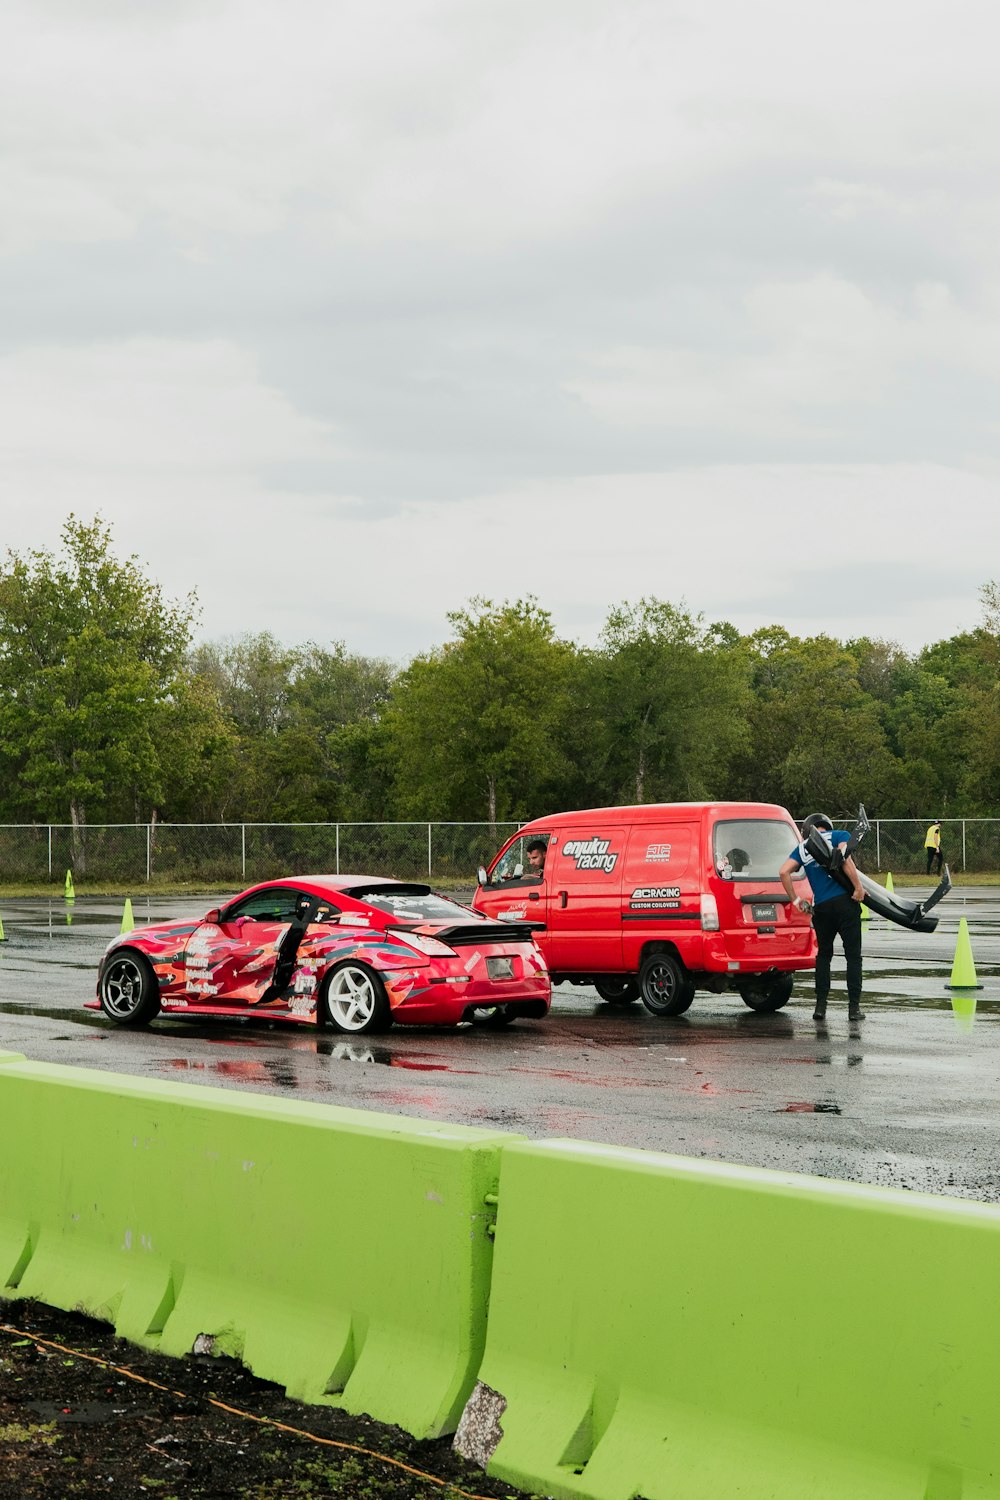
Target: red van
[(658, 901)]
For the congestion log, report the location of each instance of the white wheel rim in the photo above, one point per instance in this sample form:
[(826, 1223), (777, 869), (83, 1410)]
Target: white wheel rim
[(352, 999), (122, 987)]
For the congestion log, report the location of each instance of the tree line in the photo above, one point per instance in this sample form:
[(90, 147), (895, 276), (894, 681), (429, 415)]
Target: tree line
[(111, 712)]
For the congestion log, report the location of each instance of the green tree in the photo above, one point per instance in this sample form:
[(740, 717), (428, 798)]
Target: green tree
[(674, 697), (91, 665), (815, 735), (475, 724)]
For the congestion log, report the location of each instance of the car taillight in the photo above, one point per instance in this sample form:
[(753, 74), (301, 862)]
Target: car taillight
[(709, 914)]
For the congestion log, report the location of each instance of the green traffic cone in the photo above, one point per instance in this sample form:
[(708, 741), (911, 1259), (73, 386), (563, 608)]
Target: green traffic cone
[(888, 882), (866, 915), (70, 893), (963, 970), (3, 935), (128, 921)]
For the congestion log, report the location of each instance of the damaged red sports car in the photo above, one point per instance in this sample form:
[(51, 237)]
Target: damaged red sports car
[(354, 952)]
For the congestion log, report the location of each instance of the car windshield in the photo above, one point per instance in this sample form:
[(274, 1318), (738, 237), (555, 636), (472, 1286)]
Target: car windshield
[(412, 903), (753, 848)]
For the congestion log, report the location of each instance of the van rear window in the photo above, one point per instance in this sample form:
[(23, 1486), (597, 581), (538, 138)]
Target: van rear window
[(752, 848)]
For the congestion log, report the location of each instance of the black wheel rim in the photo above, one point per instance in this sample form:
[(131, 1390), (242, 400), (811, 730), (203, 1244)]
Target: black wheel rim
[(122, 987)]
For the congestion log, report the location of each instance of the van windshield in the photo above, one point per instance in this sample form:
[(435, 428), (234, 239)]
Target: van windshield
[(753, 848)]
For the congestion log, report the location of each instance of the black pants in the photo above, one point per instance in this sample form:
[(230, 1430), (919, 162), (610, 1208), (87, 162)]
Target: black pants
[(932, 855), (840, 916)]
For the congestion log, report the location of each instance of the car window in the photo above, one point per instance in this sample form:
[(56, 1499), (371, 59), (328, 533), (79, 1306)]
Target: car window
[(752, 848), (274, 905), (412, 903), (517, 863)]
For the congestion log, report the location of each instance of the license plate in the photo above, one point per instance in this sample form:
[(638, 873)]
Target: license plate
[(764, 913), (500, 968)]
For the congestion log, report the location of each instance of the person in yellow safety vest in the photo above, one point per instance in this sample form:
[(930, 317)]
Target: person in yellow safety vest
[(932, 843)]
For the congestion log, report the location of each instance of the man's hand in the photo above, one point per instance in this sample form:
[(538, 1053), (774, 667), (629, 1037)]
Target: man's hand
[(801, 904)]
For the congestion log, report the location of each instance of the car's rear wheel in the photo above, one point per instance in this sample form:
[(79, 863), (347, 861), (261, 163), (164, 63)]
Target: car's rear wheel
[(354, 1000), (129, 992), (767, 994), (617, 991), (665, 987), (494, 1016)]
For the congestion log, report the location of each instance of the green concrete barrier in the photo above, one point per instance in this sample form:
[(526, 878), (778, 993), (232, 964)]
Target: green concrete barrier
[(678, 1329), (341, 1253), (6, 1057)]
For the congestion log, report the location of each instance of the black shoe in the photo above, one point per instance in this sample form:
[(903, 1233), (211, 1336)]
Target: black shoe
[(855, 1013), (819, 1014)]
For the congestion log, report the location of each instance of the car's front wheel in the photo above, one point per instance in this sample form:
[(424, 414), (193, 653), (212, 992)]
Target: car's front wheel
[(767, 994), (617, 991), (129, 992), (665, 987), (495, 1016), (354, 1000)]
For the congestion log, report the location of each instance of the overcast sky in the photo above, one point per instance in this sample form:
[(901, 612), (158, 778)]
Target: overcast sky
[(341, 313)]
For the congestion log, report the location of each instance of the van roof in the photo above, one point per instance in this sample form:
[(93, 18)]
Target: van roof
[(649, 812)]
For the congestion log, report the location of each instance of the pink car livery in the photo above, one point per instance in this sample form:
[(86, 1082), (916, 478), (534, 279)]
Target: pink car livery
[(353, 952)]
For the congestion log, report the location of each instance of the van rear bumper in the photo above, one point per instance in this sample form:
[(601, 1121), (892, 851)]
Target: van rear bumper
[(736, 953)]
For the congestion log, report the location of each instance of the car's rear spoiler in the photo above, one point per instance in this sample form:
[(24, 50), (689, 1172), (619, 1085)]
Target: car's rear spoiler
[(911, 914), (466, 935)]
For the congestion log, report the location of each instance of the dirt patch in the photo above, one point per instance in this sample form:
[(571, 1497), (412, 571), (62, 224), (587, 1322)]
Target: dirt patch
[(82, 1413)]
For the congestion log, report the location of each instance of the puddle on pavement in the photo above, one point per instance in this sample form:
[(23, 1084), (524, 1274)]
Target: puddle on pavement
[(79, 1017), (803, 1107)]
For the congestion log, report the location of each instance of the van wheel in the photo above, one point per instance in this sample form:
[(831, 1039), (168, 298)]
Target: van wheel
[(665, 987), (767, 994), (617, 991)]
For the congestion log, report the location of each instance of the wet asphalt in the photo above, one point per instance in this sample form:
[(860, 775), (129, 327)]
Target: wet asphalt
[(908, 1098)]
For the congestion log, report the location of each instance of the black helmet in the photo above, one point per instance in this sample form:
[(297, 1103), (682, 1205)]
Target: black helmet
[(815, 820)]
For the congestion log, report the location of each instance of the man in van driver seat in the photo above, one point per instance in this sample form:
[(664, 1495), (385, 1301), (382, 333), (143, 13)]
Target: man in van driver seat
[(536, 857), (835, 911)]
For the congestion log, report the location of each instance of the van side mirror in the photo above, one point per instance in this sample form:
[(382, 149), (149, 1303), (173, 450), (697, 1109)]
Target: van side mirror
[(213, 915), (482, 876)]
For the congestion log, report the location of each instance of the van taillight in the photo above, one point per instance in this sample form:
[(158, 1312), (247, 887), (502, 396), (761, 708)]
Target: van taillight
[(709, 914)]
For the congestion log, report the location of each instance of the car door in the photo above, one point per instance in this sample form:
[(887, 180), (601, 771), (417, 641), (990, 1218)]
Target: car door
[(230, 963), (583, 877)]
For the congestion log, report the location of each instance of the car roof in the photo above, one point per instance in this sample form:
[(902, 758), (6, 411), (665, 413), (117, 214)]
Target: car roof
[(323, 885), (648, 812)]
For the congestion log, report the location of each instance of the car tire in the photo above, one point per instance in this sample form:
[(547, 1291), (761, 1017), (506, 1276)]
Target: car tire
[(765, 995), (354, 1001), (665, 987), (129, 992), (621, 991), (496, 1017)]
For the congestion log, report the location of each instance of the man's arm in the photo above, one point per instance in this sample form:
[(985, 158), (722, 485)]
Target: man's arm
[(851, 870), (785, 876)]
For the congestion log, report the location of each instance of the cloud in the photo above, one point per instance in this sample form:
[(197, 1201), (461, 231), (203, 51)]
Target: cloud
[(814, 345)]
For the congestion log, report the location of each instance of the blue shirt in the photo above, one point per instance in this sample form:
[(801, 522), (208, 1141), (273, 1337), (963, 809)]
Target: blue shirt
[(824, 887)]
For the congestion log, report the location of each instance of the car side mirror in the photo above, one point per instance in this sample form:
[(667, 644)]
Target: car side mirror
[(482, 876), (213, 915)]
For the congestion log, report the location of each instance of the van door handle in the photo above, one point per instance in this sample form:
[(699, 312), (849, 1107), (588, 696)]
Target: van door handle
[(533, 896), (563, 898)]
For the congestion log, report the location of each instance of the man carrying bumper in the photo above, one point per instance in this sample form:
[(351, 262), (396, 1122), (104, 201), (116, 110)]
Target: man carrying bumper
[(836, 912)]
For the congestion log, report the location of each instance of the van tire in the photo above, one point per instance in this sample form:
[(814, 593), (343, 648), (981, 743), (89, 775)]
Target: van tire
[(665, 987), (765, 995), (622, 991)]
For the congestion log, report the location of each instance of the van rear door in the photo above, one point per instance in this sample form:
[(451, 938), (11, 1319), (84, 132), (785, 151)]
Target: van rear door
[(760, 925), (583, 873)]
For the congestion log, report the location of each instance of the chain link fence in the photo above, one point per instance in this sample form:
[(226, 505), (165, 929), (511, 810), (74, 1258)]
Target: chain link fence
[(968, 845), (244, 853)]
